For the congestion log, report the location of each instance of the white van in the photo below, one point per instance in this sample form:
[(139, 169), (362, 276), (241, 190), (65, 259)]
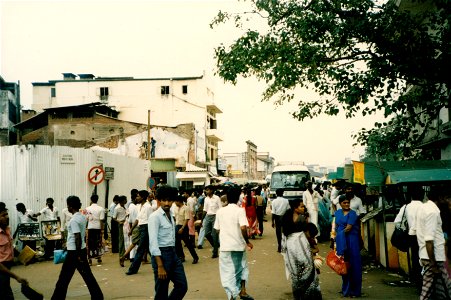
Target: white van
[(291, 178)]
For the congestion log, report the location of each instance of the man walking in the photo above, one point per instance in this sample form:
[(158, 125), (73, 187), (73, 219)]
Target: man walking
[(165, 263), (142, 220), (278, 208), (211, 205), (431, 241), (95, 215), (76, 255), (231, 223), (182, 216), (6, 256)]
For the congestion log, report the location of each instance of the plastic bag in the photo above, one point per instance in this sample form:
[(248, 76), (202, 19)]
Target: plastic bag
[(59, 256), (337, 263)]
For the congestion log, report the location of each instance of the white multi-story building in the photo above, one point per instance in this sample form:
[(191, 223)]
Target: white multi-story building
[(154, 101)]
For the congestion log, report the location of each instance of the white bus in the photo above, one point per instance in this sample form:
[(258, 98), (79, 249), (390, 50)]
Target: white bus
[(291, 178)]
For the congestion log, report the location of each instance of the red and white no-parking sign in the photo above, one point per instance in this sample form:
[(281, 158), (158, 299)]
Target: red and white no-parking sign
[(96, 175)]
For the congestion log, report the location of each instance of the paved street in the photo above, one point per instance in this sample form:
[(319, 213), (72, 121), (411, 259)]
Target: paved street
[(267, 277)]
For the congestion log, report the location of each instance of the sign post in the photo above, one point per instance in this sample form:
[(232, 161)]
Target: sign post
[(96, 175), (109, 174)]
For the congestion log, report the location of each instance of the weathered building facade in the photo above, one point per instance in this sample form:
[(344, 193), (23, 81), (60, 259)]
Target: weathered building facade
[(157, 102), (9, 111)]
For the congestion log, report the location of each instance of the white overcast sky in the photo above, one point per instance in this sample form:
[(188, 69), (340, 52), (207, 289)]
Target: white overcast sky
[(42, 39)]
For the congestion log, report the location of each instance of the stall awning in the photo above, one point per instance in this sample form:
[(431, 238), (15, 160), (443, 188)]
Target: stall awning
[(191, 176), (428, 175)]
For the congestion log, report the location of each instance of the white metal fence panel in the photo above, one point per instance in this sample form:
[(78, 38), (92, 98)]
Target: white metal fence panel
[(31, 174)]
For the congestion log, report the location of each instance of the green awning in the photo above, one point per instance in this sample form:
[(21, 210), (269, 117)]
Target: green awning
[(332, 175), (429, 175)]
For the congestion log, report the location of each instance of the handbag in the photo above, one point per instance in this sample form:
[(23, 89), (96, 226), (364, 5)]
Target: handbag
[(31, 293), (400, 236), (337, 263)]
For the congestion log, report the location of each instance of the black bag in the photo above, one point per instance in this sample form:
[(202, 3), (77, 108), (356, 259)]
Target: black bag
[(30, 293), (400, 237)]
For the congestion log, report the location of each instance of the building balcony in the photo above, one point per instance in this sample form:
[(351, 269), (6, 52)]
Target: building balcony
[(214, 134), (213, 108)]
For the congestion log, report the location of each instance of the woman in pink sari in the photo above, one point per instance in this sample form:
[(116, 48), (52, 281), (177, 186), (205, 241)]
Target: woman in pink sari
[(250, 205)]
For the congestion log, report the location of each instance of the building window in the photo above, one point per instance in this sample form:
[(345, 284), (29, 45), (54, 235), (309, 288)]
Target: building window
[(53, 92), (104, 92), (165, 89), (184, 89)]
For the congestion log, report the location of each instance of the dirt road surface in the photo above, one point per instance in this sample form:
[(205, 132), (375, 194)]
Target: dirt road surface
[(267, 277)]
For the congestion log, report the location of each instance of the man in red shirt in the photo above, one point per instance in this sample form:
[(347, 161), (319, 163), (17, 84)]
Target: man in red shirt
[(6, 256)]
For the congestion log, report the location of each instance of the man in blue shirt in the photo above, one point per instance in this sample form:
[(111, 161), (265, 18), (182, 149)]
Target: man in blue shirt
[(165, 263)]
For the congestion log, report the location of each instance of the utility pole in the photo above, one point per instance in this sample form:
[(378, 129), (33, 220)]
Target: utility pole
[(148, 135)]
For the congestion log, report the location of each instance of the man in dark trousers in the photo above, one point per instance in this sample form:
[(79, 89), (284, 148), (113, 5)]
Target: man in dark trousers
[(166, 265), (77, 257)]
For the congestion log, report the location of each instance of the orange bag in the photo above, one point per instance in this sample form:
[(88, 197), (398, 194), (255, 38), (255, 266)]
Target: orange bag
[(337, 263)]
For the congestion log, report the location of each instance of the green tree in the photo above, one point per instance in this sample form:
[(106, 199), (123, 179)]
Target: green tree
[(359, 56)]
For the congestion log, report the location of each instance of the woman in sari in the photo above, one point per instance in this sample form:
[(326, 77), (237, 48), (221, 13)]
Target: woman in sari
[(297, 253), (250, 204), (347, 238)]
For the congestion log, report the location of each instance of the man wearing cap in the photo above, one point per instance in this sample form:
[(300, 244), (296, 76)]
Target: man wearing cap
[(6, 256)]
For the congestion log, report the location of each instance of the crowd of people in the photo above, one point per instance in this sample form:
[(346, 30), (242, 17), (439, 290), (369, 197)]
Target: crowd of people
[(158, 223)]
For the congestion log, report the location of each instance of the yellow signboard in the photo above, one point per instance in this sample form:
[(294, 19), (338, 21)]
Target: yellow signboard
[(359, 172)]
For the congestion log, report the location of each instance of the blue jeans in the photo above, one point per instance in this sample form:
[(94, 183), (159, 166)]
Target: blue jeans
[(143, 246), (210, 232), (201, 237), (174, 269)]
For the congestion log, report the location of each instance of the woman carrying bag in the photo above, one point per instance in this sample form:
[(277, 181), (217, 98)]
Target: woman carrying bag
[(347, 239)]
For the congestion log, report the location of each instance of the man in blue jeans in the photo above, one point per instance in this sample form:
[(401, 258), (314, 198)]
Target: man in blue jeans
[(165, 263)]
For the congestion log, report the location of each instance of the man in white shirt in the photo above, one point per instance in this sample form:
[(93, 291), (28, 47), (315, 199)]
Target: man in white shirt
[(279, 206), (231, 223), (133, 234), (114, 227), (412, 209), (431, 241), (49, 213), (24, 216), (310, 198), (76, 255), (337, 190), (120, 214), (95, 216), (142, 220), (212, 204)]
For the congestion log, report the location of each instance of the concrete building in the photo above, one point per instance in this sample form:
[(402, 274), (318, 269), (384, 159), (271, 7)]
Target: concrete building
[(9, 111), (247, 166), (160, 102), (97, 127)]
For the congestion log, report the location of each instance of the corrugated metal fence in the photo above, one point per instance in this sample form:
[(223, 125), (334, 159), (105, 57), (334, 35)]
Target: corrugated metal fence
[(31, 174)]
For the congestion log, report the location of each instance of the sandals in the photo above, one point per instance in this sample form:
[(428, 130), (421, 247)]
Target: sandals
[(121, 261)]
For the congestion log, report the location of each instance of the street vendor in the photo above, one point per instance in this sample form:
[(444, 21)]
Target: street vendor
[(49, 213)]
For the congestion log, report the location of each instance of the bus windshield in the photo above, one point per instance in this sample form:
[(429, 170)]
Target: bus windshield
[(289, 179)]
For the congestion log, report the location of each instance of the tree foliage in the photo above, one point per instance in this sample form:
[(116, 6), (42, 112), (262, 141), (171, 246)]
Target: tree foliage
[(359, 56)]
